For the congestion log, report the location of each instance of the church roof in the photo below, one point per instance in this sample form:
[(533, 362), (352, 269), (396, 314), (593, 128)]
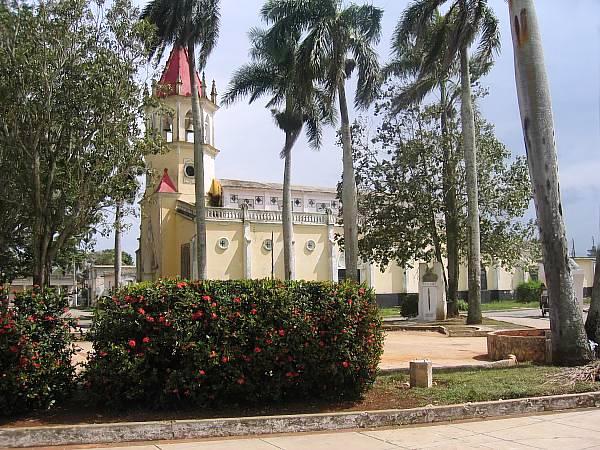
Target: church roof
[(166, 184), (177, 71), (244, 184)]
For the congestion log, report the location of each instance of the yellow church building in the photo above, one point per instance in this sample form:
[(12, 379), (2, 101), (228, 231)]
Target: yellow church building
[(244, 229)]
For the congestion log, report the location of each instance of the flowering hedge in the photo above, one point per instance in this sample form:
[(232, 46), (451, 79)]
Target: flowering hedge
[(35, 351), (229, 341)]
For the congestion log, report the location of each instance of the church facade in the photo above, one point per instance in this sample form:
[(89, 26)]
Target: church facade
[(244, 227)]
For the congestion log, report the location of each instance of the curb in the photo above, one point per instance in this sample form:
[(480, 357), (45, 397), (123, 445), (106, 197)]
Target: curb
[(243, 426), (500, 364)]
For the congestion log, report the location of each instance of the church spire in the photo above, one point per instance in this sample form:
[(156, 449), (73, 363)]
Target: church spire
[(175, 79)]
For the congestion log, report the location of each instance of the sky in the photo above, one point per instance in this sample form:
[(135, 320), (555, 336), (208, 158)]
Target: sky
[(250, 143)]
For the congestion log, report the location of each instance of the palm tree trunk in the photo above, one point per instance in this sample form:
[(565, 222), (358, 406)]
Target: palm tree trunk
[(349, 198), (450, 208), (287, 219), (198, 167), (592, 323), (470, 152), (569, 340), (118, 252)]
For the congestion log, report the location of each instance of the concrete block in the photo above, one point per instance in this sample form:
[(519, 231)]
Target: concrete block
[(421, 373)]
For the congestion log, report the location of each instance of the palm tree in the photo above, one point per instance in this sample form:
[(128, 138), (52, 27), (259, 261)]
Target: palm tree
[(293, 103), (465, 22), (336, 42), (189, 23), (411, 63), (569, 340)]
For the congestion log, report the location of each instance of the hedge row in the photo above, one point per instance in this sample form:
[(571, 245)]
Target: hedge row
[(213, 342), (35, 351), (176, 342)]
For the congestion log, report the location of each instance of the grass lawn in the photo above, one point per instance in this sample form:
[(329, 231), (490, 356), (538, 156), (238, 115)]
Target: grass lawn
[(390, 311), (388, 392), (507, 304)]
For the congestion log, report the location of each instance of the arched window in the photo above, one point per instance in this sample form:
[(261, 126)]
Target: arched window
[(189, 127), (167, 128)]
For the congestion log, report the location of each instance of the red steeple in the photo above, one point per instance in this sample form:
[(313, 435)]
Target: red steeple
[(166, 184), (177, 72)]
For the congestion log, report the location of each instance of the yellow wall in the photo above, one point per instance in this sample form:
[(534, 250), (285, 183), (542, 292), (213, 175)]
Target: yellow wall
[(224, 264), (311, 265), (587, 265), (391, 281)]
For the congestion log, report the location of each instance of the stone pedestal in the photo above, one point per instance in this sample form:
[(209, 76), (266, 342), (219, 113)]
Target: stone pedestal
[(421, 373), (432, 293)]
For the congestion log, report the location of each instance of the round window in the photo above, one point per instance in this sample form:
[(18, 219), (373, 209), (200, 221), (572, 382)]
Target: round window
[(223, 243), (311, 245), (188, 169), (268, 245)]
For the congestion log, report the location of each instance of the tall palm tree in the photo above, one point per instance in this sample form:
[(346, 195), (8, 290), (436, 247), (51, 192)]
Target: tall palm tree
[(411, 63), (569, 340), (336, 42), (293, 102), (190, 23), (465, 22)]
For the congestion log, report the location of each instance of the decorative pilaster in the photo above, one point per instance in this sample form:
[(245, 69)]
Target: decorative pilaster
[(247, 243), (332, 250), (369, 274)]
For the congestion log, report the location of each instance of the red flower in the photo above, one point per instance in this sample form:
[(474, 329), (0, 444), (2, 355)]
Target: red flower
[(197, 315), (281, 333), (102, 354), (253, 311), (268, 341), (361, 291), (237, 300), (241, 380), (346, 364), (214, 315), (131, 343), (257, 349), (141, 311), (149, 319), (14, 348), (161, 319), (206, 298), (213, 304), (201, 372), (36, 365), (146, 340), (181, 284), (224, 359), (350, 302)]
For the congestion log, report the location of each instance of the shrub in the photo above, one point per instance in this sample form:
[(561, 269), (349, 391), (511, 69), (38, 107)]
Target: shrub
[(463, 305), (172, 342), (409, 305), (528, 291), (35, 351)]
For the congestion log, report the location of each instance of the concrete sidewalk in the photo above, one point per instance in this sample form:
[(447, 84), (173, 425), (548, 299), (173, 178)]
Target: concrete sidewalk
[(572, 430)]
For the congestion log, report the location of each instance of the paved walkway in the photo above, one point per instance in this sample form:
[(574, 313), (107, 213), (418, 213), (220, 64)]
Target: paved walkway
[(401, 347), (569, 430), (527, 317)]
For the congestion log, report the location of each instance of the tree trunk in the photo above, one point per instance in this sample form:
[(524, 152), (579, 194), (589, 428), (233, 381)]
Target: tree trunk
[(569, 340), (592, 323), (470, 152), (198, 166), (289, 260), (118, 251), (450, 208), (349, 198)]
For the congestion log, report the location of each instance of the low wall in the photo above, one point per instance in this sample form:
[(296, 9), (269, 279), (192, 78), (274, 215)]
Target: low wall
[(526, 345)]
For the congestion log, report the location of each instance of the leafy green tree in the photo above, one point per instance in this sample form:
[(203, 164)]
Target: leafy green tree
[(465, 22), (337, 41), (70, 108), (401, 167), (189, 24), (107, 257), (569, 341), (294, 103)]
